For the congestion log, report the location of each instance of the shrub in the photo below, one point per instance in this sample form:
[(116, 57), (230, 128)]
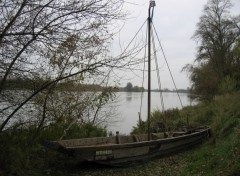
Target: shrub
[(21, 152)]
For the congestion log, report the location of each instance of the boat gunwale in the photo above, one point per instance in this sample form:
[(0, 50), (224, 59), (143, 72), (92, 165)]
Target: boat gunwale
[(135, 144)]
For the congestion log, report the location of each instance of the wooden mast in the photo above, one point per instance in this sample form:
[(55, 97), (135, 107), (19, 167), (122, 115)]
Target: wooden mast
[(150, 9)]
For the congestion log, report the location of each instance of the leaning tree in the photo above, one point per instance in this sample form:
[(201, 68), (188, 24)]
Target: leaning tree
[(46, 43)]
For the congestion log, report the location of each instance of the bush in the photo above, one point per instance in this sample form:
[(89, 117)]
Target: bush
[(161, 121), (21, 152), (76, 131), (198, 115), (227, 114)]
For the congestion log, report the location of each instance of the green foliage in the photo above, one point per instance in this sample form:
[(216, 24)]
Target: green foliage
[(198, 115), (205, 82), (18, 151), (76, 131), (217, 69), (236, 66), (221, 155), (222, 158), (161, 121), (227, 113), (228, 85), (21, 152), (141, 128), (222, 114), (166, 121)]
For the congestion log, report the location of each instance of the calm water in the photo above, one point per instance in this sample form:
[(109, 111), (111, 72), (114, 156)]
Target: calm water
[(124, 111), (128, 106)]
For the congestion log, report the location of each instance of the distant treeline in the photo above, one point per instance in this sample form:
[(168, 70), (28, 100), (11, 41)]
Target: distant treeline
[(167, 90), (29, 84)]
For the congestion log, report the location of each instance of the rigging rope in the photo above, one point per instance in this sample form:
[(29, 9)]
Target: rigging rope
[(133, 38), (74, 120), (158, 74), (168, 66), (159, 82), (144, 67)]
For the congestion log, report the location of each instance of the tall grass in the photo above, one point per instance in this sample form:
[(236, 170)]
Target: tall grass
[(221, 154)]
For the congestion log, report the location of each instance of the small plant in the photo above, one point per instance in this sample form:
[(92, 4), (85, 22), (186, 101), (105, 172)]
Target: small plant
[(161, 121)]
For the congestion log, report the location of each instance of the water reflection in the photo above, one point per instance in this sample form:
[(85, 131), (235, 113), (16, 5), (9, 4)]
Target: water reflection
[(129, 96)]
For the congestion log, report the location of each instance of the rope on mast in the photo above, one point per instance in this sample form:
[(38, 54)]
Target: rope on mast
[(144, 68), (158, 74), (168, 67)]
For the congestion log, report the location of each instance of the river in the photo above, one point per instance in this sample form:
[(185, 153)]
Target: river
[(128, 106), (123, 111)]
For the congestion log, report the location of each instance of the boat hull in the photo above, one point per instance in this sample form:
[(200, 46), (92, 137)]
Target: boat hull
[(126, 154)]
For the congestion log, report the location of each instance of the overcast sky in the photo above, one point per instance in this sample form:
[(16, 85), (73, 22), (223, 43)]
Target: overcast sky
[(175, 22)]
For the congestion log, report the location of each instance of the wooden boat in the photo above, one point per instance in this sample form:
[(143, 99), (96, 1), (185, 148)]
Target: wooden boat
[(122, 150), (127, 150)]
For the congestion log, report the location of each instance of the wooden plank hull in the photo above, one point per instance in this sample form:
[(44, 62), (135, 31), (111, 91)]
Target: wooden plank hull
[(130, 152)]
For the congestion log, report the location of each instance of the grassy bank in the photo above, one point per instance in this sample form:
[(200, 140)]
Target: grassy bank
[(221, 154)]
